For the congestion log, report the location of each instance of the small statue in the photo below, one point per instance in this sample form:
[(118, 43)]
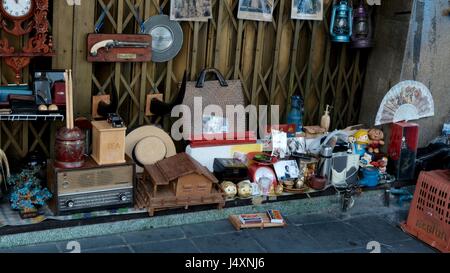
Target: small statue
[(376, 139), (381, 165), (361, 142), (366, 160)]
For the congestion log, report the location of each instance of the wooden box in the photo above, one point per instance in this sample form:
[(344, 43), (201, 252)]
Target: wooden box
[(238, 225), (192, 185), (108, 143)]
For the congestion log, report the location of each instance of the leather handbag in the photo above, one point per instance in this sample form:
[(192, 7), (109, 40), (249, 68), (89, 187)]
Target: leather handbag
[(217, 92)]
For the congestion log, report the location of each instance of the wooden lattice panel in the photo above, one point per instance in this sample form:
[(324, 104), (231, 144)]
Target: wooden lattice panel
[(274, 60)]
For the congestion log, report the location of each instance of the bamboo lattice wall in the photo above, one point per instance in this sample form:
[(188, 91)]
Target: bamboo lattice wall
[(273, 60)]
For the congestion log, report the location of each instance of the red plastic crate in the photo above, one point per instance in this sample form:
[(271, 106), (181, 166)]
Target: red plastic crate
[(429, 215)]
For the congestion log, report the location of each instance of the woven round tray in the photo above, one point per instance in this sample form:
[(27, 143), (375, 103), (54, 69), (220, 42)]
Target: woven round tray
[(301, 190)]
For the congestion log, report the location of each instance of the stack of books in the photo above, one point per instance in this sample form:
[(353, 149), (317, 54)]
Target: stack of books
[(250, 219), (275, 217)]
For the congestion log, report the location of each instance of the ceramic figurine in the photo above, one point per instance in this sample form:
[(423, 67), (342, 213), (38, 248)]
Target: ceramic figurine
[(361, 142), (245, 189), (300, 183), (376, 139), (326, 120), (366, 160), (230, 189), (381, 165)]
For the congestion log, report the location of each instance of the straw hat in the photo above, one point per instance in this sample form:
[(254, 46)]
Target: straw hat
[(148, 145)]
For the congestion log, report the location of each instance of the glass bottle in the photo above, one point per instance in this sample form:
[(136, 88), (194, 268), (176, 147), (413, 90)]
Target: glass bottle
[(296, 114)]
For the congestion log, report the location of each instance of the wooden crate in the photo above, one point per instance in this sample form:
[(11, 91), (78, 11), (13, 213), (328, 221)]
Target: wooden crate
[(234, 219), (108, 143)]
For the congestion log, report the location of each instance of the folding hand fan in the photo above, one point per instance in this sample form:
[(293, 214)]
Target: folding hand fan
[(408, 100)]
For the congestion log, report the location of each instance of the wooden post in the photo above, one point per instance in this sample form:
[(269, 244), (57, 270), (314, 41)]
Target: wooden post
[(84, 18)]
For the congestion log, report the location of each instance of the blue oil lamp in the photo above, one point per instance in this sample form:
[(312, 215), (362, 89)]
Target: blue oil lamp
[(341, 22)]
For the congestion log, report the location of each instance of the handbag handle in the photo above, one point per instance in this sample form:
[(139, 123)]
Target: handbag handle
[(202, 77)]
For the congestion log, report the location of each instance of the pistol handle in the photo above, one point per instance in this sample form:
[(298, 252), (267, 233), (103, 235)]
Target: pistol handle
[(95, 48)]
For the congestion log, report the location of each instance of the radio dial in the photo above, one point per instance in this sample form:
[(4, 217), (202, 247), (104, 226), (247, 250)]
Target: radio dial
[(123, 197), (70, 204)]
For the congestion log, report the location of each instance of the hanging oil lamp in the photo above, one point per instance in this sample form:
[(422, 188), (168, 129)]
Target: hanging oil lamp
[(362, 28), (341, 22)]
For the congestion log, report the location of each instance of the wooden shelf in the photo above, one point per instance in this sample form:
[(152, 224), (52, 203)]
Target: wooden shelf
[(14, 117)]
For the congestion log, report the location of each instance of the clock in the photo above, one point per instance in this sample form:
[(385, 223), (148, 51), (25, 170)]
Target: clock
[(20, 18), (20, 9)]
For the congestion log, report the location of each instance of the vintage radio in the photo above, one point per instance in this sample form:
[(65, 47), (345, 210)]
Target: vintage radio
[(92, 187), (403, 150)]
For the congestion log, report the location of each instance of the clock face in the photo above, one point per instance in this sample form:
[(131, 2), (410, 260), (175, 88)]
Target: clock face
[(17, 8)]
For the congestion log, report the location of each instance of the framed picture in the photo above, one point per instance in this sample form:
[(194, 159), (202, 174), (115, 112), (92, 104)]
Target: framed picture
[(287, 170), (190, 10), (307, 9), (257, 10)]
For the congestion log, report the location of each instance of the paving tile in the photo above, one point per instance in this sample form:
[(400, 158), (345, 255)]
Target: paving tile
[(205, 229), (397, 217), (291, 239), (377, 229), (308, 219), (175, 246), (153, 235), (43, 248), (336, 235), (111, 250), (228, 243), (411, 246), (361, 250), (94, 243)]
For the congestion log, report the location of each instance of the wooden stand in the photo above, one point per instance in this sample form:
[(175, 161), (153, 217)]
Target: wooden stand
[(234, 219), (108, 145)]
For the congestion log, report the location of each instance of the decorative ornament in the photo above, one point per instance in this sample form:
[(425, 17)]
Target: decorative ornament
[(27, 193), (408, 100), (230, 189), (26, 16), (245, 189)]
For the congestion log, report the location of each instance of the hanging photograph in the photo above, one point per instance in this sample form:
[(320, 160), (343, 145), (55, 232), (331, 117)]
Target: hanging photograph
[(307, 9), (190, 10), (258, 10)]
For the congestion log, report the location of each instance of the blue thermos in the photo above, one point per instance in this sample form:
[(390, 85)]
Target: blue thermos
[(296, 114)]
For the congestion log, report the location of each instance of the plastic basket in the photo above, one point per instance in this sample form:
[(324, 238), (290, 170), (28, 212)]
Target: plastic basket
[(429, 215)]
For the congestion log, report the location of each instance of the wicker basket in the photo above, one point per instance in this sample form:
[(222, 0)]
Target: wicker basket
[(429, 216)]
